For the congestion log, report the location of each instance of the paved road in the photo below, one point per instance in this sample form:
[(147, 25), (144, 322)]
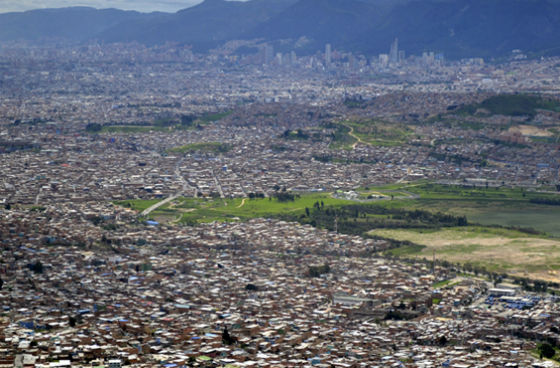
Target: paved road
[(186, 188), (148, 210)]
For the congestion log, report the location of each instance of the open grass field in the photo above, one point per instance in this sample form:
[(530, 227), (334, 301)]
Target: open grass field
[(347, 134), (138, 204), (492, 206), (208, 147), (201, 210), (496, 249), (378, 133)]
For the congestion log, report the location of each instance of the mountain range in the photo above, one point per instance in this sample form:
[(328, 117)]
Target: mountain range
[(457, 28)]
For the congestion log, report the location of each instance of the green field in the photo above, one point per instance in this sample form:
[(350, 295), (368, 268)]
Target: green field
[(341, 138), (347, 134), (379, 133), (493, 206), (485, 206), (201, 210), (138, 204), (212, 117), (185, 122)]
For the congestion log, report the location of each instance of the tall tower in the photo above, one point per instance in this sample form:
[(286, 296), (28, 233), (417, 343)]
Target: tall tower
[(268, 54), (394, 52), (328, 55)]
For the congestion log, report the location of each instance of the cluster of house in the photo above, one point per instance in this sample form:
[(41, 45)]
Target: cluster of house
[(263, 293)]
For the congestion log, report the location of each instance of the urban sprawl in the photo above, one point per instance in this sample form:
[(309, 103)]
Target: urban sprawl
[(87, 281)]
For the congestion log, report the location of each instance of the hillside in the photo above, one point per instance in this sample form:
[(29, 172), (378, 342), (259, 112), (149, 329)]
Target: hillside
[(205, 25), (457, 28), (70, 24)]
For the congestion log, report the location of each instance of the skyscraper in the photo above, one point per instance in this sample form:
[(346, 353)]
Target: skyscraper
[(394, 52), (268, 54), (328, 55)]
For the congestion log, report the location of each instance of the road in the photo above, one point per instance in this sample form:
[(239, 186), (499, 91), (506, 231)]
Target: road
[(186, 188), (218, 185), (148, 210)]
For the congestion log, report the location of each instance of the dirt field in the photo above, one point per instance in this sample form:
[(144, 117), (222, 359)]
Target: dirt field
[(496, 249), (531, 131)]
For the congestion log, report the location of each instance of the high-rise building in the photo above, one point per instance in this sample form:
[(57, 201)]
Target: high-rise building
[(394, 52), (293, 58), (328, 55), (279, 59), (383, 60), (268, 54)]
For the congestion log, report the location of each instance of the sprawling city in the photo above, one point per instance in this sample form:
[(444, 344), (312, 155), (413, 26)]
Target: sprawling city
[(253, 206)]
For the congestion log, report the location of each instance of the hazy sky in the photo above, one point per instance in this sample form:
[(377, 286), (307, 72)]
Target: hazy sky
[(140, 5)]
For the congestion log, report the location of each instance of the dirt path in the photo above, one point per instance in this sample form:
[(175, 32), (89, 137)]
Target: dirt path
[(351, 134), (242, 203)]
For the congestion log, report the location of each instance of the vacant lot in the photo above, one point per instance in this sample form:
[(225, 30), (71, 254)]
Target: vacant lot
[(496, 249)]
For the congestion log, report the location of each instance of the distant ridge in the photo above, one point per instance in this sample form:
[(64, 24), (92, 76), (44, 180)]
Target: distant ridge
[(457, 28), (75, 24)]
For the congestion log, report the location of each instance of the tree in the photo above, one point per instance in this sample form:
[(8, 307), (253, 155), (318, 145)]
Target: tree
[(187, 120), (317, 271), (307, 211), (93, 128), (227, 339), (36, 267), (546, 350), (251, 287)]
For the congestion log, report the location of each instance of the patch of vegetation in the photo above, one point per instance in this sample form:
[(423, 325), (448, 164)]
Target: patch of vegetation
[(36, 267), (94, 128), (131, 129), (513, 105), (138, 204), (379, 133), (546, 350), (214, 116), (358, 219), (317, 271), (162, 124), (295, 135), (204, 147), (355, 102), (405, 250), (480, 247), (547, 201), (202, 210), (441, 284), (340, 137), (456, 158)]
